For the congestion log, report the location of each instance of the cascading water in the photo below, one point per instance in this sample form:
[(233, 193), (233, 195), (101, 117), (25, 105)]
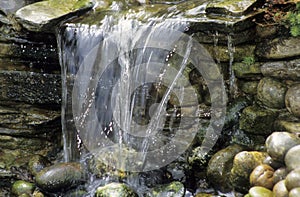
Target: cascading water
[(127, 100)]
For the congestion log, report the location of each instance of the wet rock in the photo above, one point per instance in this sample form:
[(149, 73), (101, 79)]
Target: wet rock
[(22, 187), (209, 37), (249, 87), (243, 164), (233, 111), (59, 177), (45, 15), (292, 180), (173, 189), (271, 162), (278, 144), (38, 193), (280, 174), (292, 158), (251, 141), (115, 190), (227, 7), (76, 193), (23, 143), (263, 31), (19, 119), (258, 191), (282, 69), (37, 163), (220, 165), (24, 50), (29, 87), (290, 126), (294, 192), (279, 49), (262, 176), (292, 100), (247, 71), (271, 93), (257, 120), (221, 53), (279, 189)]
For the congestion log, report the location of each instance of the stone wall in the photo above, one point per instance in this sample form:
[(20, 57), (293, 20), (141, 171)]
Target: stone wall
[(30, 98)]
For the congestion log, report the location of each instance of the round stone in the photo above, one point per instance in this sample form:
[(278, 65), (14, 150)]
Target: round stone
[(37, 163), (279, 174), (292, 100), (279, 189), (22, 187), (115, 190), (295, 192), (271, 93), (292, 180), (278, 143), (59, 176), (292, 158), (262, 176), (258, 191), (243, 164)]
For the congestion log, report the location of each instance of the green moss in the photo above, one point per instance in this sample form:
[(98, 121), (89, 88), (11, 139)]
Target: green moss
[(69, 5), (293, 21), (249, 60)]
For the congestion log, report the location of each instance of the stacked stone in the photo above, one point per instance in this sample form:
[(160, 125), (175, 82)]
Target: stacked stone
[(30, 96), (269, 76)]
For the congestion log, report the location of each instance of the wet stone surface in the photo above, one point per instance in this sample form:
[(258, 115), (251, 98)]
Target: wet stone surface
[(282, 69), (45, 15), (59, 177)]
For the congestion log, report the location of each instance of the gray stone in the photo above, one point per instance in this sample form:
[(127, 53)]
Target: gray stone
[(282, 69), (30, 87), (292, 180), (278, 144), (279, 189), (292, 100), (271, 93), (45, 15), (292, 158), (279, 49), (295, 192), (257, 120)]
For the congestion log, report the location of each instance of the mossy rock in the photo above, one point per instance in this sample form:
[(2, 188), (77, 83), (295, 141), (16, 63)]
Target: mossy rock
[(115, 190), (257, 120)]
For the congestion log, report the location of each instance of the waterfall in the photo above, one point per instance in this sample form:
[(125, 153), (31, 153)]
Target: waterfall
[(127, 99)]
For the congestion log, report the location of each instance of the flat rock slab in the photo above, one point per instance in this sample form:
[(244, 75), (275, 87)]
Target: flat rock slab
[(45, 15), (279, 49), (232, 7), (282, 69), (29, 87)]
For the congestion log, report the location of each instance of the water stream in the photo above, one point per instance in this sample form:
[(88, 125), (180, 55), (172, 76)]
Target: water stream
[(127, 100)]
